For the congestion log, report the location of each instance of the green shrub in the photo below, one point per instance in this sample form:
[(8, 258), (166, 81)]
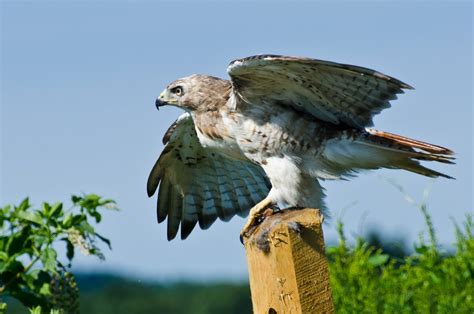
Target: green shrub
[(30, 270), (365, 280)]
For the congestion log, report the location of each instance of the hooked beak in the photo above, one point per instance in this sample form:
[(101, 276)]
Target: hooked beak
[(160, 101), (163, 100)]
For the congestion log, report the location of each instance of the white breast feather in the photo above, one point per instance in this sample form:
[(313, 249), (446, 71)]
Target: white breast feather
[(284, 175)]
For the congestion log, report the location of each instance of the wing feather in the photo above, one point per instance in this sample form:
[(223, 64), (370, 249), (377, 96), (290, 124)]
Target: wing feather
[(243, 196), (192, 209), (163, 201), (211, 205), (174, 212), (226, 191), (332, 92), (196, 184)]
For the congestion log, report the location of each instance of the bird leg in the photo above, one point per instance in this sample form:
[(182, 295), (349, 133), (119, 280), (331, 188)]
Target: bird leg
[(254, 215)]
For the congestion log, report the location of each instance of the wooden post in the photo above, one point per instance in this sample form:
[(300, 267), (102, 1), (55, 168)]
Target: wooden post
[(287, 264)]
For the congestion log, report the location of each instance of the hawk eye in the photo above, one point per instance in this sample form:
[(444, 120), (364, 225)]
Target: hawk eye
[(178, 91)]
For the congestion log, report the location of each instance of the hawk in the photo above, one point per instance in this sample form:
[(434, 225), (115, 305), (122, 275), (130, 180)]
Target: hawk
[(270, 134)]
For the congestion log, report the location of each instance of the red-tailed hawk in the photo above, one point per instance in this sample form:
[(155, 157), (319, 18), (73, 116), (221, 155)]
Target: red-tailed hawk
[(270, 134)]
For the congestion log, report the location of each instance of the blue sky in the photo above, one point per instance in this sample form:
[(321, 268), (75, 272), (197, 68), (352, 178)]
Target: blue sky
[(77, 109)]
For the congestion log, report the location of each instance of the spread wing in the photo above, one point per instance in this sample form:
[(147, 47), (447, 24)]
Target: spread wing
[(197, 184), (333, 92)]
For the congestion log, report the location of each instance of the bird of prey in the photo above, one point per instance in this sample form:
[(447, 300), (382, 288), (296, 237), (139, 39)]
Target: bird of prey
[(270, 134)]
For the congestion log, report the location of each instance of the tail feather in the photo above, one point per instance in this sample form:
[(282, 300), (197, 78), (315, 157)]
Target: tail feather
[(411, 143), (414, 166), (409, 151)]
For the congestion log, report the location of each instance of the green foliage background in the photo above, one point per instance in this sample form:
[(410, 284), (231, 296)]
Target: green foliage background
[(364, 279), (367, 277)]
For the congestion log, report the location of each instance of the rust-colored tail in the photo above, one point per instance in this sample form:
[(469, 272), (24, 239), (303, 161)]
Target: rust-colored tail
[(408, 151), (411, 143)]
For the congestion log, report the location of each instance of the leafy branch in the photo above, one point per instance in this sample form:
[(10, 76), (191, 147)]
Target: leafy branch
[(29, 236)]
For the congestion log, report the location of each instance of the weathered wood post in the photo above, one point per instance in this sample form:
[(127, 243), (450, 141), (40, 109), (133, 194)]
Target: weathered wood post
[(287, 264)]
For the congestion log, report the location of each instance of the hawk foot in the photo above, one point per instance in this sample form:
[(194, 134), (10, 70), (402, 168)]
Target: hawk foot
[(256, 216)]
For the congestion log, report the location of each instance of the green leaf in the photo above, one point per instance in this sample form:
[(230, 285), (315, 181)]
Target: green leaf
[(67, 222), (48, 258), (36, 310), (40, 240), (5, 210), (92, 197), (69, 249), (97, 216), (46, 209), (76, 199), (77, 219), (24, 205), (105, 240), (32, 216), (90, 202), (85, 226), (56, 210), (20, 241), (3, 242), (45, 289), (3, 267), (3, 256), (378, 260)]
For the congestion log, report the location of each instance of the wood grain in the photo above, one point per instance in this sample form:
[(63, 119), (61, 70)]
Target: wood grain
[(287, 264)]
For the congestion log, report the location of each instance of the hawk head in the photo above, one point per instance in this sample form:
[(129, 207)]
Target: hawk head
[(195, 93)]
